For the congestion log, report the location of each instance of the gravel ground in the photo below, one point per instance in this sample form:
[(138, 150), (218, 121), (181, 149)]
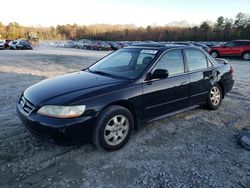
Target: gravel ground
[(191, 149)]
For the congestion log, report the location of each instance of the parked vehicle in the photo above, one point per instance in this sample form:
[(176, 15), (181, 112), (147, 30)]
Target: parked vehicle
[(2, 42), (201, 46), (99, 45), (182, 43), (211, 43), (123, 91), (82, 43), (239, 48), (23, 45), (87, 45), (59, 44), (20, 45), (12, 44), (115, 46), (70, 44), (6, 44)]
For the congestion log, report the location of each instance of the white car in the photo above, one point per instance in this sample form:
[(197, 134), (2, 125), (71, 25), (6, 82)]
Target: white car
[(2, 42)]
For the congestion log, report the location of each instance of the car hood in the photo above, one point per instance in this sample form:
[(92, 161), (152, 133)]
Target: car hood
[(82, 83)]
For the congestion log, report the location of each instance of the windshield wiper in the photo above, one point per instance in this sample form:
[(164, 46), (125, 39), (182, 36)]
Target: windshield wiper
[(107, 74), (101, 73)]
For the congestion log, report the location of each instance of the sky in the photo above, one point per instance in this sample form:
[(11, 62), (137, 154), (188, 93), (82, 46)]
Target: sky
[(138, 12)]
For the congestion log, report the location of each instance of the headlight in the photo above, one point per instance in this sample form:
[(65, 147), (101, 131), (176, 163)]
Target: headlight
[(62, 111)]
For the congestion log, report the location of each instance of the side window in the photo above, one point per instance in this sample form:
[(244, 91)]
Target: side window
[(171, 61), (230, 44), (245, 43), (196, 60), (239, 44)]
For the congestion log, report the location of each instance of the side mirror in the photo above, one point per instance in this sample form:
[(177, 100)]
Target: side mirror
[(159, 74)]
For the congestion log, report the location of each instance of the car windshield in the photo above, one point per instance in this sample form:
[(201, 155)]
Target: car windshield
[(125, 63)]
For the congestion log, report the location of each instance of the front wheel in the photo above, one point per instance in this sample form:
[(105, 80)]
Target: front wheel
[(214, 97), (113, 128)]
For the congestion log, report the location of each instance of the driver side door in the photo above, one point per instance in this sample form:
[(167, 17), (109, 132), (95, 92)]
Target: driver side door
[(162, 96)]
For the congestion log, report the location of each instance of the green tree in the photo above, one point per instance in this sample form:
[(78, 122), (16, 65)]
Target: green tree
[(220, 23), (205, 30), (241, 20), (2, 30)]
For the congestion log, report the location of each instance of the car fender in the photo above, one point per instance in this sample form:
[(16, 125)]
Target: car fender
[(130, 97)]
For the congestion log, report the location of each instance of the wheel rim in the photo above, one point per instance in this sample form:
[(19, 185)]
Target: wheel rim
[(116, 130), (215, 96), (246, 56), (214, 54)]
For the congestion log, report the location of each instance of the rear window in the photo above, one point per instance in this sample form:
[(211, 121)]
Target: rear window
[(196, 60)]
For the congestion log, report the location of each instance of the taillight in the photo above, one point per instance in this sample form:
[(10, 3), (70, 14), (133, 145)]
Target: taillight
[(231, 70)]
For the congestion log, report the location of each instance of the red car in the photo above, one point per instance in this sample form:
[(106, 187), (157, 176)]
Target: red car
[(240, 48)]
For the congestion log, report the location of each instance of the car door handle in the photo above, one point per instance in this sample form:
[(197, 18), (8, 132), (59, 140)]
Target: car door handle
[(183, 83)]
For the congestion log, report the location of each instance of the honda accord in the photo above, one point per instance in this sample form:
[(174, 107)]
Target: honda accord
[(122, 92)]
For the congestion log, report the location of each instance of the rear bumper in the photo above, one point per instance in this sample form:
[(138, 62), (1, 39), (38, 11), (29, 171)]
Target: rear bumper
[(59, 131), (228, 85)]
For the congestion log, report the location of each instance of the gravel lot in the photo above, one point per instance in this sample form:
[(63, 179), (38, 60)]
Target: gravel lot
[(191, 149)]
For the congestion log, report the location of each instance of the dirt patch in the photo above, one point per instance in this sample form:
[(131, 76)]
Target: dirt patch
[(191, 149)]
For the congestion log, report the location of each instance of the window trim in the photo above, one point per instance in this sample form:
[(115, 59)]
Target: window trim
[(186, 69)]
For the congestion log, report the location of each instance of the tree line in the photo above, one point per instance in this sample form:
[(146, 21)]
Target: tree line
[(223, 29)]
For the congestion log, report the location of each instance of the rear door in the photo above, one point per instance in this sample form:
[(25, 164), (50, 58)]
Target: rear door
[(170, 94), (201, 76), (237, 48)]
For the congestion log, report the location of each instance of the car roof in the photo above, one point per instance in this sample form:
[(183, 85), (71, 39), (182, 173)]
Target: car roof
[(241, 40), (161, 47)]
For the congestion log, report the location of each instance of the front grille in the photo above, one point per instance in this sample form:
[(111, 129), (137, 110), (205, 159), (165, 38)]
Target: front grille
[(26, 105)]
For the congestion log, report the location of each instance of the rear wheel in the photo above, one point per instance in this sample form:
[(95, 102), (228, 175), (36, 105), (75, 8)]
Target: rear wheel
[(214, 54), (246, 56), (113, 128), (214, 97)]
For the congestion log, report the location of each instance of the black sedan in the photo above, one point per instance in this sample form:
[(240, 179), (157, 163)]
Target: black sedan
[(122, 92), (23, 45)]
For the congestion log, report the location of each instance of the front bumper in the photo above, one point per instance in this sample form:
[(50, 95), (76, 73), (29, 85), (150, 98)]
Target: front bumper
[(56, 130)]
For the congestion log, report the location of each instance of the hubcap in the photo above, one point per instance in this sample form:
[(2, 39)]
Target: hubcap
[(215, 96), (214, 54), (116, 130), (246, 56)]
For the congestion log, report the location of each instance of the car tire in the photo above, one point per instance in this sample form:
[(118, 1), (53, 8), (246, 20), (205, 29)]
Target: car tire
[(214, 97), (246, 56), (214, 54), (113, 128)]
